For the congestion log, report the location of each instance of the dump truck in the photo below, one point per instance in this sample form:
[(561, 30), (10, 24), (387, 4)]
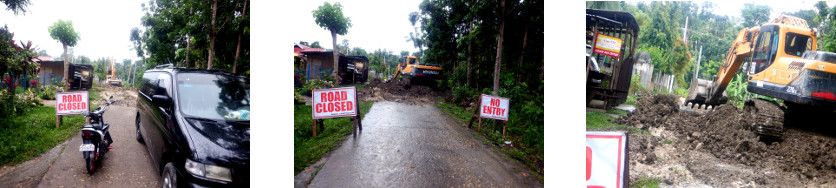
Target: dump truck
[(611, 39), (783, 64)]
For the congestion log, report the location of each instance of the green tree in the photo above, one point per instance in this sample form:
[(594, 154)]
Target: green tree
[(243, 28), (754, 15), (63, 32), (180, 33), (331, 18), (15, 60), (16, 6), (315, 44), (42, 52)]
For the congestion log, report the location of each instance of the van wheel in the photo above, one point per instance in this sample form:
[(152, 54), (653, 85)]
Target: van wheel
[(170, 176), (138, 134)]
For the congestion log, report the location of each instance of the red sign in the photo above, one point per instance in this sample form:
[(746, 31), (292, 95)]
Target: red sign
[(494, 107), (605, 159), (71, 103), (336, 102)]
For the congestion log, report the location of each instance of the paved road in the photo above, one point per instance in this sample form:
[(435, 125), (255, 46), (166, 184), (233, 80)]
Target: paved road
[(126, 165), (416, 146)]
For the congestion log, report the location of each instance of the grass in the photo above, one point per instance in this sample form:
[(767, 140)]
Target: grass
[(646, 183), (525, 154), (597, 121), (308, 150), (26, 137), (617, 112)]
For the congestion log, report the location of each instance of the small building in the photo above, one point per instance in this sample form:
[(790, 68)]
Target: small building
[(51, 72)]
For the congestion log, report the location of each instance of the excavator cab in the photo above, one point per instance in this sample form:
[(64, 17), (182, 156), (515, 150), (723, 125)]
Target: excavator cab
[(783, 64)]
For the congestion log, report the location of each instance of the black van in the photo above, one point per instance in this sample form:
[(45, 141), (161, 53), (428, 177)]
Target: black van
[(195, 125)]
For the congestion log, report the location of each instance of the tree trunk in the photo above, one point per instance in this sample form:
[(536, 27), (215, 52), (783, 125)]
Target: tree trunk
[(212, 34), (188, 47), (469, 52), (522, 54), (499, 50), (336, 56), (66, 69), (238, 47)]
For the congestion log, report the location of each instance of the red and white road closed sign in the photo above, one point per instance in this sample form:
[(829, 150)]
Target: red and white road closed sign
[(494, 107), (71, 103), (336, 102), (605, 159)]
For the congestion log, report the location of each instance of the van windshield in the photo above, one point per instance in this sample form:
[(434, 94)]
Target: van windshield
[(211, 96)]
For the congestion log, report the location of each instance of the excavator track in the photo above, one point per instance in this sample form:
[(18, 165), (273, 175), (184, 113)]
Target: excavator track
[(768, 119)]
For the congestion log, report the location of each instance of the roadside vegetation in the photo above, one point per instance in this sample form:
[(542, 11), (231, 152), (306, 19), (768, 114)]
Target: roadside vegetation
[(308, 149), (30, 130)]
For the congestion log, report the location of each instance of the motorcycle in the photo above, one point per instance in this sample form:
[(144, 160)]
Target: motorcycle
[(95, 137)]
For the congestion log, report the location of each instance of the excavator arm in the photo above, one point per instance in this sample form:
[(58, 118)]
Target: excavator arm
[(711, 92)]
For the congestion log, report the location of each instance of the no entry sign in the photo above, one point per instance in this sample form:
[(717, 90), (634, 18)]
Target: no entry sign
[(71, 103), (606, 159), (336, 102), (494, 107)]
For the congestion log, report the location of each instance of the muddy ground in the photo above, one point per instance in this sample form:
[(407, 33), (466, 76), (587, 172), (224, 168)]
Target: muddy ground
[(401, 90), (720, 149)]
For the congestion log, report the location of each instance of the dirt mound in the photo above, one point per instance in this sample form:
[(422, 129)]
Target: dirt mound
[(399, 90), (727, 133)]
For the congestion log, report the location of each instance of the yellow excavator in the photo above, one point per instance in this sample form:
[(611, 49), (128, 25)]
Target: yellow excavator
[(782, 63), (111, 75), (411, 67)]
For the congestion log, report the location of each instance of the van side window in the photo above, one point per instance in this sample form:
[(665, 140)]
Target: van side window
[(148, 83), (164, 85)]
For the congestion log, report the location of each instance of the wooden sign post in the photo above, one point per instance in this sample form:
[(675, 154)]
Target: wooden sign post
[(494, 108), (335, 103)]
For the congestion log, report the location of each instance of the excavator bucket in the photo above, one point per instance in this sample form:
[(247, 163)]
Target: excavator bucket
[(695, 101)]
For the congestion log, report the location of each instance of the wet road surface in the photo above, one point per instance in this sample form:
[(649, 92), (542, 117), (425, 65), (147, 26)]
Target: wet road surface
[(126, 165), (416, 146)]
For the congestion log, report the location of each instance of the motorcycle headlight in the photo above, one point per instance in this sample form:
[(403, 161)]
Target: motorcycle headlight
[(209, 171)]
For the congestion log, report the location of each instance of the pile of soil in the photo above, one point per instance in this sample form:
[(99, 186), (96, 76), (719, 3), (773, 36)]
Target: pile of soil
[(125, 96), (720, 148), (399, 90)]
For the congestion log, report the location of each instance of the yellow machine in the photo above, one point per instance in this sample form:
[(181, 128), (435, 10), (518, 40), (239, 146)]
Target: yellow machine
[(111, 75), (411, 67), (784, 64)]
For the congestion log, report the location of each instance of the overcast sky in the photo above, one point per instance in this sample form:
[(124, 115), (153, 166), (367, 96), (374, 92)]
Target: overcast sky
[(104, 26), (732, 8), (375, 24)]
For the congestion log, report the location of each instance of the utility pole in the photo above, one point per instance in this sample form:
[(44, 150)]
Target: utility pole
[(699, 58)]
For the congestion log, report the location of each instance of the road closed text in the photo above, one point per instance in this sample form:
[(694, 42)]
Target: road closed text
[(71, 103), (337, 102)]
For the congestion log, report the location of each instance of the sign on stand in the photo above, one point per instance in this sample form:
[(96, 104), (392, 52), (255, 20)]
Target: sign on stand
[(493, 108), (334, 103), (607, 45), (606, 159), (70, 103)]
